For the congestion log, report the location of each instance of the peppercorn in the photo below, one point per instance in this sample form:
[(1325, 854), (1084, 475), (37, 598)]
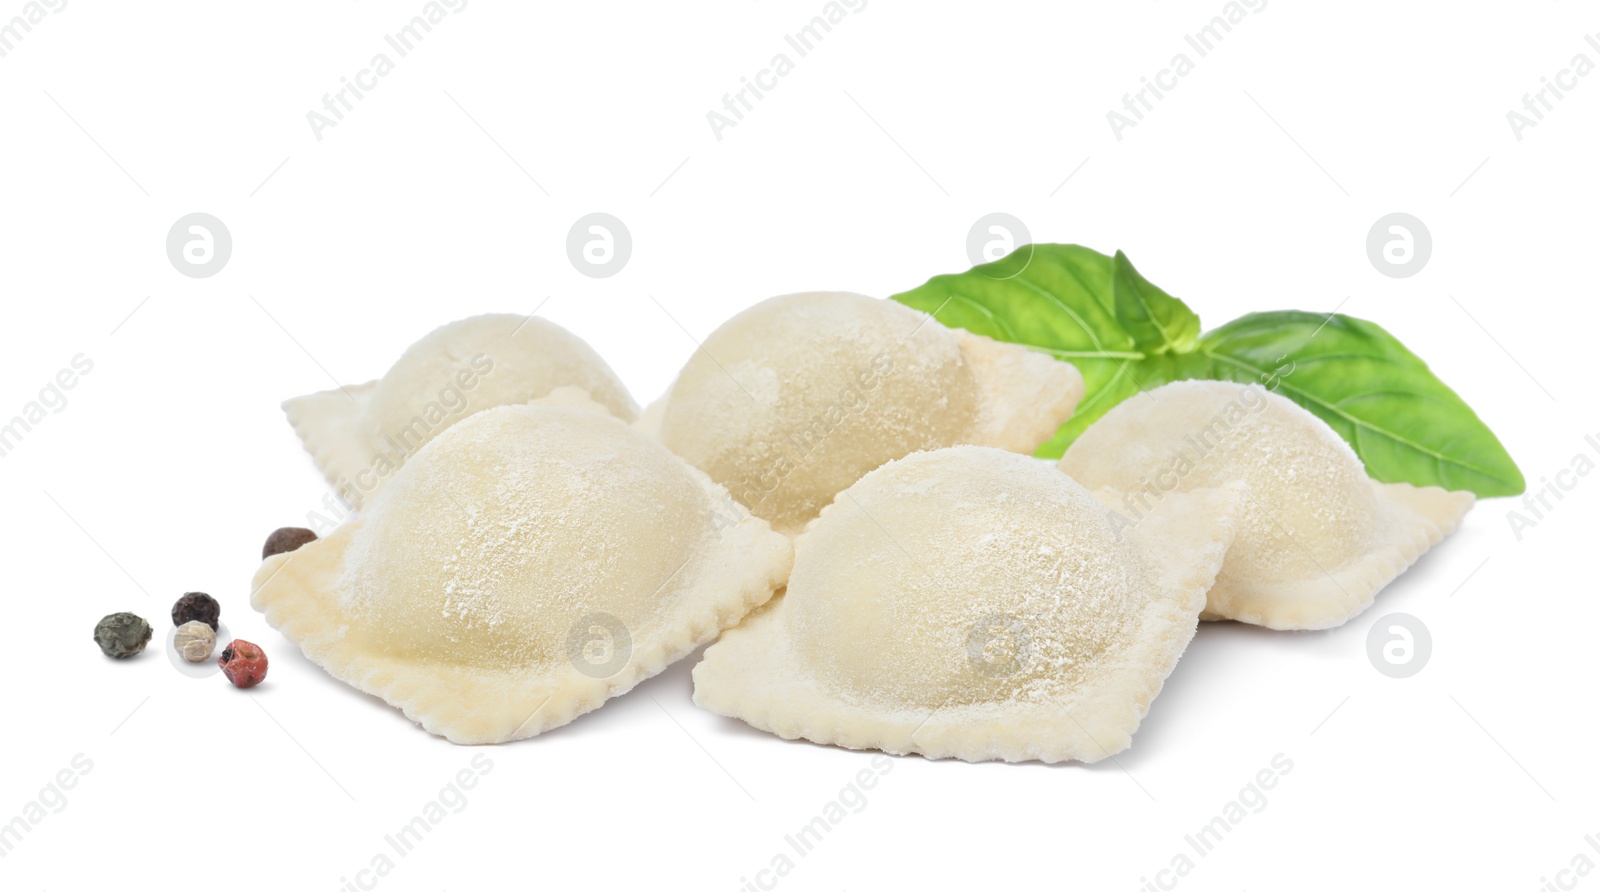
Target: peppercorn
[(196, 606), (286, 539), (122, 635), (243, 663), (194, 641)]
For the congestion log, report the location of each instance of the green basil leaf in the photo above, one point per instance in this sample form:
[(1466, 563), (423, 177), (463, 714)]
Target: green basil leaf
[(1061, 302), (1405, 424), (1125, 335), (1158, 322)]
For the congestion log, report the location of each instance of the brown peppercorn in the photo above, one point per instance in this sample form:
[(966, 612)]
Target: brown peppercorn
[(196, 606), (286, 539)]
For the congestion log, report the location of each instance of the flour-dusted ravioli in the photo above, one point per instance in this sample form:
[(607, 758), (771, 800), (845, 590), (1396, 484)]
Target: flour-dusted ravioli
[(527, 564), (1317, 538), (974, 603), (794, 399), (359, 435)]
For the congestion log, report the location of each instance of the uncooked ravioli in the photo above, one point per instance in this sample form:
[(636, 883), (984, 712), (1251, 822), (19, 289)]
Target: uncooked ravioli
[(974, 603), (1317, 538), (527, 564), (794, 399), (358, 435)]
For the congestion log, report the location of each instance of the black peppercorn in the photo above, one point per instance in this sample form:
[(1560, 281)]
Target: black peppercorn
[(196, 606), (285, 539)]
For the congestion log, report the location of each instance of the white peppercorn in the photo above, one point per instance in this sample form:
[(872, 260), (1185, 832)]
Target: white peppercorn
[(194, 641)]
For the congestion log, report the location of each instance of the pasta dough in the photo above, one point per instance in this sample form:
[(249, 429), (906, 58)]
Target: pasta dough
[(359, 435), (974, 603), (527, 564), (794, 399), (1317, 538)]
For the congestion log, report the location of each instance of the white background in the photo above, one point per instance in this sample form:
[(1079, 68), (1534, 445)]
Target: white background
[(449, 190)]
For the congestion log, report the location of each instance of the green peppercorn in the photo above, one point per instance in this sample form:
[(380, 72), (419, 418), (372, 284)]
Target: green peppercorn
[(122, 635)]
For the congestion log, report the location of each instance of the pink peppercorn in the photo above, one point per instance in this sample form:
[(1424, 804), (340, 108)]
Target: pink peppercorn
[(243, 663)]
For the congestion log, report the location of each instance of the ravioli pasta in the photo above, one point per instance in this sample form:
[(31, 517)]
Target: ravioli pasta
[(359, 435), (527, 564), (1317, 538), (794, 399), (974, 603)]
